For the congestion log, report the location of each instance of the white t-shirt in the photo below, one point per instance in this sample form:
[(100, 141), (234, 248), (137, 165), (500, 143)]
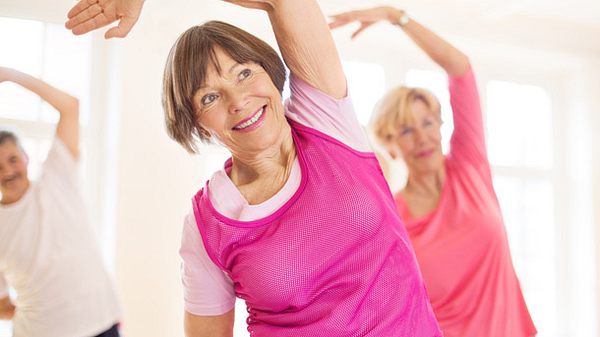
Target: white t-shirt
[(49, 255)]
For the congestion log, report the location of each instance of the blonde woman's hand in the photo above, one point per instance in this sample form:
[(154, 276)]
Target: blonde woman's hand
[(366, 17), (88, 15)]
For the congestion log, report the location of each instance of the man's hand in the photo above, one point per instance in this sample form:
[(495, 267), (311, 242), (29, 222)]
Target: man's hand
[(7, 309)]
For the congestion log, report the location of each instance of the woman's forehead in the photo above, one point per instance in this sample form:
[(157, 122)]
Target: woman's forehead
[(218, 70), (225, 69)]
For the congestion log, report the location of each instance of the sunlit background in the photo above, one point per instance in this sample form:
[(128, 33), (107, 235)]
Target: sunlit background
[(537, 64)]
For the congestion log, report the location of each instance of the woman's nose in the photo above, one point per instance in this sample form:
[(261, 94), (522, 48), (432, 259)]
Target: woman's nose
[(237, 102), (420, 135)]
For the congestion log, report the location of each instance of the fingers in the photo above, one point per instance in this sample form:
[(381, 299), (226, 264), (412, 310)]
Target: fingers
[(121, 31), (346, 16), (96, 22), (363, 26), (367, 15), (342, 19), (84, 15), (80, 7), (338, 23)]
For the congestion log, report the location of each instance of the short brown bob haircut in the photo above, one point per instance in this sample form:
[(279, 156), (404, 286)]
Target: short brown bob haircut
[(187, 65)]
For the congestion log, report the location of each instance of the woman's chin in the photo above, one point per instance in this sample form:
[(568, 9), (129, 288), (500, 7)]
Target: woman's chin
[(429, 166)]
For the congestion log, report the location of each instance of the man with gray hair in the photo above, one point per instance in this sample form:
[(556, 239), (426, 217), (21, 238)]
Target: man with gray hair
[(48, 250)]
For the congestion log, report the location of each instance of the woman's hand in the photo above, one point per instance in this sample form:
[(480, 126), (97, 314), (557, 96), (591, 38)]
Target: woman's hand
[(441, 52), (88, 15), (366, 17), (265, 5)]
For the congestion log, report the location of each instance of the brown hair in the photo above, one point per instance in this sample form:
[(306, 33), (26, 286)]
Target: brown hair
[(394, 110), (188, 63)]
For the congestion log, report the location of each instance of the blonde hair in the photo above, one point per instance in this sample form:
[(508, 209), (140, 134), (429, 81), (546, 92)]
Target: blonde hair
[(394, 110)]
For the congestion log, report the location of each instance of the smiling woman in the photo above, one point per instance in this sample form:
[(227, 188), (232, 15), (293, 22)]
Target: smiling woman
[(264, 228), (263, 213), (199, 52)]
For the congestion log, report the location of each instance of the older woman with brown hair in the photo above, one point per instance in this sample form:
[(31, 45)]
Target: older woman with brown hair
[(299, 222), (449, 204)]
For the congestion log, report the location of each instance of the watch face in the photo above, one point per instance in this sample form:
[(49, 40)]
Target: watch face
[(403, 20)]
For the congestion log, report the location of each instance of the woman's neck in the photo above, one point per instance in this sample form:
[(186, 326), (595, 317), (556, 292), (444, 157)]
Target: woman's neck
[(422, 192), (260, 175), (426, 184)]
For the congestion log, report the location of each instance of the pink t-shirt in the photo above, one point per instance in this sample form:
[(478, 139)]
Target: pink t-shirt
[(207, 289), (461, 246)]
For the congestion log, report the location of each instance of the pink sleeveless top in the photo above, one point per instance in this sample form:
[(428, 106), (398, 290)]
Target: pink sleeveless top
[(334, 261)]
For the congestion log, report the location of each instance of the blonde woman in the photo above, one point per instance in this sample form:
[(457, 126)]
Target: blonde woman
[(449, 205)]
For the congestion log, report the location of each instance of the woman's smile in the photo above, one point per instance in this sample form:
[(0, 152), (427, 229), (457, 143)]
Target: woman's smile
[(253, 122)]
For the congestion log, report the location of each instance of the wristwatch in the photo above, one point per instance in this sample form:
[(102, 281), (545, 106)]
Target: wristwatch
[(403, 20)]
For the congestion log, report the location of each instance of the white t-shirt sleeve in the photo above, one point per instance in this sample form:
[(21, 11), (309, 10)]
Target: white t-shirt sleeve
[(207, 290), (3, 286), (60, 165), (334, 117)]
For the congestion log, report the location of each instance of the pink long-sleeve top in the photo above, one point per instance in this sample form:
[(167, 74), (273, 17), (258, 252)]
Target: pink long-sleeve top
[(461, 246)]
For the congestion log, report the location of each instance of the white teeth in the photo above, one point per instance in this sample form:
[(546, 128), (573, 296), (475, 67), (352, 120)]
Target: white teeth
[(250, 121)]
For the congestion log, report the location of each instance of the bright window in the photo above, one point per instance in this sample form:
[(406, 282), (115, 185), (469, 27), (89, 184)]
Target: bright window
[(519, 125), (520, 144), (366, 85), (527, 206), (49, 52)]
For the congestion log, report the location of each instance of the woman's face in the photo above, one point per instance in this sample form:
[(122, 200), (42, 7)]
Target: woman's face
[(240, 107), (419, 141)]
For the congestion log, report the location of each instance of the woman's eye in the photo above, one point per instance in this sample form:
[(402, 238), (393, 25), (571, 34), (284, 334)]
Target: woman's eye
[(405, 131), (244, 74), (207, 99), (427, 122)]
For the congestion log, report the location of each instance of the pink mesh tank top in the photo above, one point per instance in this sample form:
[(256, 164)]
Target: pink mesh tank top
[(334, 261)]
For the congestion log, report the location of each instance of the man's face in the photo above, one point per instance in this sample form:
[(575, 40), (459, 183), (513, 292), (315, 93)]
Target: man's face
[(13, 172)]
